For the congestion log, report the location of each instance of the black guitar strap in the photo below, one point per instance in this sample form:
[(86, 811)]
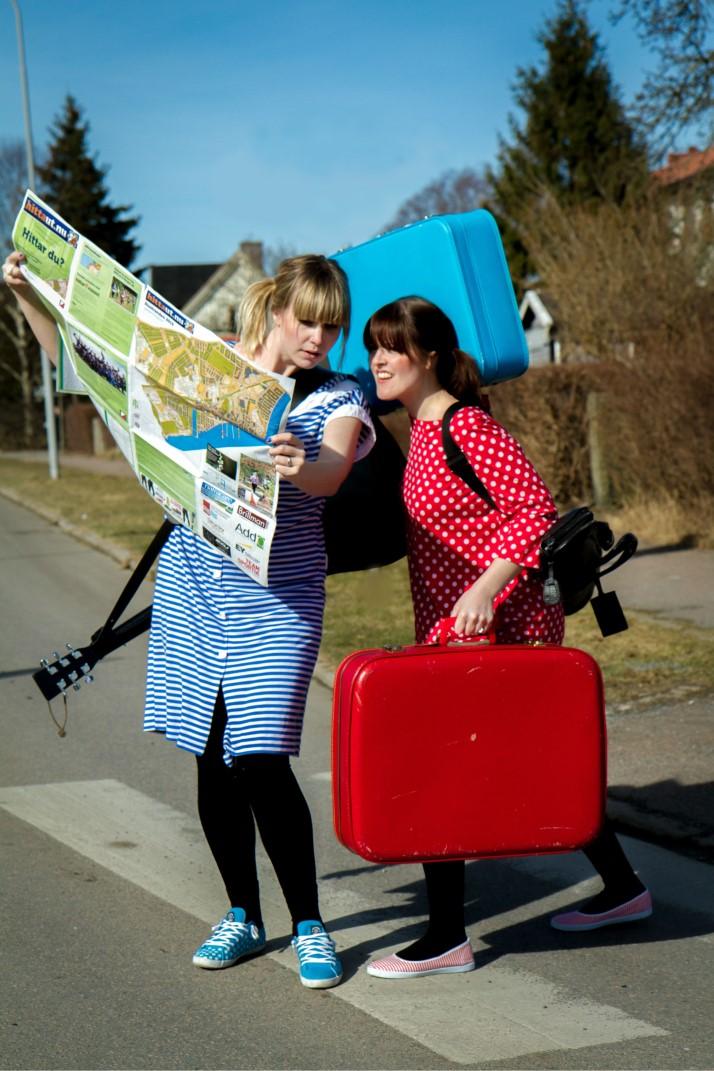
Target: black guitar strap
[(75, 665), (134, 581)]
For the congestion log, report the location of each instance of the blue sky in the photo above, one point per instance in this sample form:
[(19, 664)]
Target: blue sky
[(303, 123)]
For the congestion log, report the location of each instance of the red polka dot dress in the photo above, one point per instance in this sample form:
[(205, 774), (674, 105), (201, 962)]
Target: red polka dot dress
[(454, 535)]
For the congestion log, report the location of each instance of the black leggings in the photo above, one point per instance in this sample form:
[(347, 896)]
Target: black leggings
[(445, 885), (258, 789)]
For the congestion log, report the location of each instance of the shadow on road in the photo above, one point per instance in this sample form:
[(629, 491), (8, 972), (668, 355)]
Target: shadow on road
[(669, 798), (687, 542), (492, 889)]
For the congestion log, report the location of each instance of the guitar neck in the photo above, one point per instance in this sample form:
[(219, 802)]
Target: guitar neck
[(105, 641), (76, 664)]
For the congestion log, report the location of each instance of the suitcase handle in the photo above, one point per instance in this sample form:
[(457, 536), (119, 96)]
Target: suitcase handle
[(446, 627)]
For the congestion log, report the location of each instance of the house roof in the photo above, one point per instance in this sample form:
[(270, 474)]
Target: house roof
[(684, 165), (178, 282), (247, 252), (533, 302)]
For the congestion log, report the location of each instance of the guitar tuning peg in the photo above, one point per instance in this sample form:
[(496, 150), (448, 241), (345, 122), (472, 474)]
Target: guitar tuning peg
[(89, 679), (69, 646), (55, 654), (77, 686), (44, 663)]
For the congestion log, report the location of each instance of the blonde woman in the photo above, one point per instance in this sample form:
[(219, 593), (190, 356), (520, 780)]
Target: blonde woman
[(230, 661)]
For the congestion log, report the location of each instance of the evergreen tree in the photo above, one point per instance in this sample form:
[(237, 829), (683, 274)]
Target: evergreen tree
[(575, 142), (74, 185)]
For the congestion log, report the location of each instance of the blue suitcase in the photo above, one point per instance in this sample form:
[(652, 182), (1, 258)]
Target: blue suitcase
[(456, 261)]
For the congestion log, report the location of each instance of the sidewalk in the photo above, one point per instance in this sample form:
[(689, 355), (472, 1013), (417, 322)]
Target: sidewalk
[(661, 760)]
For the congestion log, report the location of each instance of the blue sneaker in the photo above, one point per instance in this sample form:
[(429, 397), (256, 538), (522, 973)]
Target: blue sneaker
[(233, 938), (319, 966)]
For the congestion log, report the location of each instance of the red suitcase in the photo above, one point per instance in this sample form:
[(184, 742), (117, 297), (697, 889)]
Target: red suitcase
[(467, 750)]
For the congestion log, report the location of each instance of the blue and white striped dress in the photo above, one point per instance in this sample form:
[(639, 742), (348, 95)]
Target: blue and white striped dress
[(213, 627)]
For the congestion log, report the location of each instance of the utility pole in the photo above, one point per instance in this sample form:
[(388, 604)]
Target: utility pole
[(46, 370)]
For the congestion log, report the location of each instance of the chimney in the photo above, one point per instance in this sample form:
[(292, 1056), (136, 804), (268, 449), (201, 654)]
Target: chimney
[(254, 253)]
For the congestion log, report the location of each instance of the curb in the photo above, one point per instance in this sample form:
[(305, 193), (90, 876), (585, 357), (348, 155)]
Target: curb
[(324, 675), (84, 535)]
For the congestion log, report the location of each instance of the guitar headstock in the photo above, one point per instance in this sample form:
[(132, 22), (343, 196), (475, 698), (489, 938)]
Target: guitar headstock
[(66, 672)]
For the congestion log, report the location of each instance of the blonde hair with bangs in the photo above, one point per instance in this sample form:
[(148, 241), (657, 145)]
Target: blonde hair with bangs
[(314, 285)]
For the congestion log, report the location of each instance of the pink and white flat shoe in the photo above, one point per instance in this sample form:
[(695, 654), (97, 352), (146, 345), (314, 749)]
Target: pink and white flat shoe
[(640, 907), (456, 961)]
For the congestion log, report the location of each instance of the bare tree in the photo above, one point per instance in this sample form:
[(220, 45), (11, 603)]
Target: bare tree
[(627, 273), (274, 254), (633, 284), (680, 91), (452, 191), (19, 364), (13, 180)]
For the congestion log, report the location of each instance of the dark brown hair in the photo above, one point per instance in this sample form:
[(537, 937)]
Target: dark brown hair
[(417, 327)]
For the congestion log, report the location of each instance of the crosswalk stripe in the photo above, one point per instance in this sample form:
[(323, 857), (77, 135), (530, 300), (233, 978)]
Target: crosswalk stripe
[(496, 1013)]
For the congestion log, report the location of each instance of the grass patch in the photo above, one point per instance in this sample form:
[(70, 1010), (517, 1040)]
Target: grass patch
[(666, 522), (653, 660), (113, 507), (367, 609)]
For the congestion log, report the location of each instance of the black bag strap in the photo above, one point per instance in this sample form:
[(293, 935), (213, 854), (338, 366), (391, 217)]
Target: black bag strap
[(620, 553), (457, 461), (136, 578)]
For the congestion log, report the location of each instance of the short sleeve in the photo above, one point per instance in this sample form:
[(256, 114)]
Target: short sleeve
[(348, 400)]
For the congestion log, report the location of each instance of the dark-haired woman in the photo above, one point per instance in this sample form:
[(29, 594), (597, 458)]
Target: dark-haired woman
[(475, 563)]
